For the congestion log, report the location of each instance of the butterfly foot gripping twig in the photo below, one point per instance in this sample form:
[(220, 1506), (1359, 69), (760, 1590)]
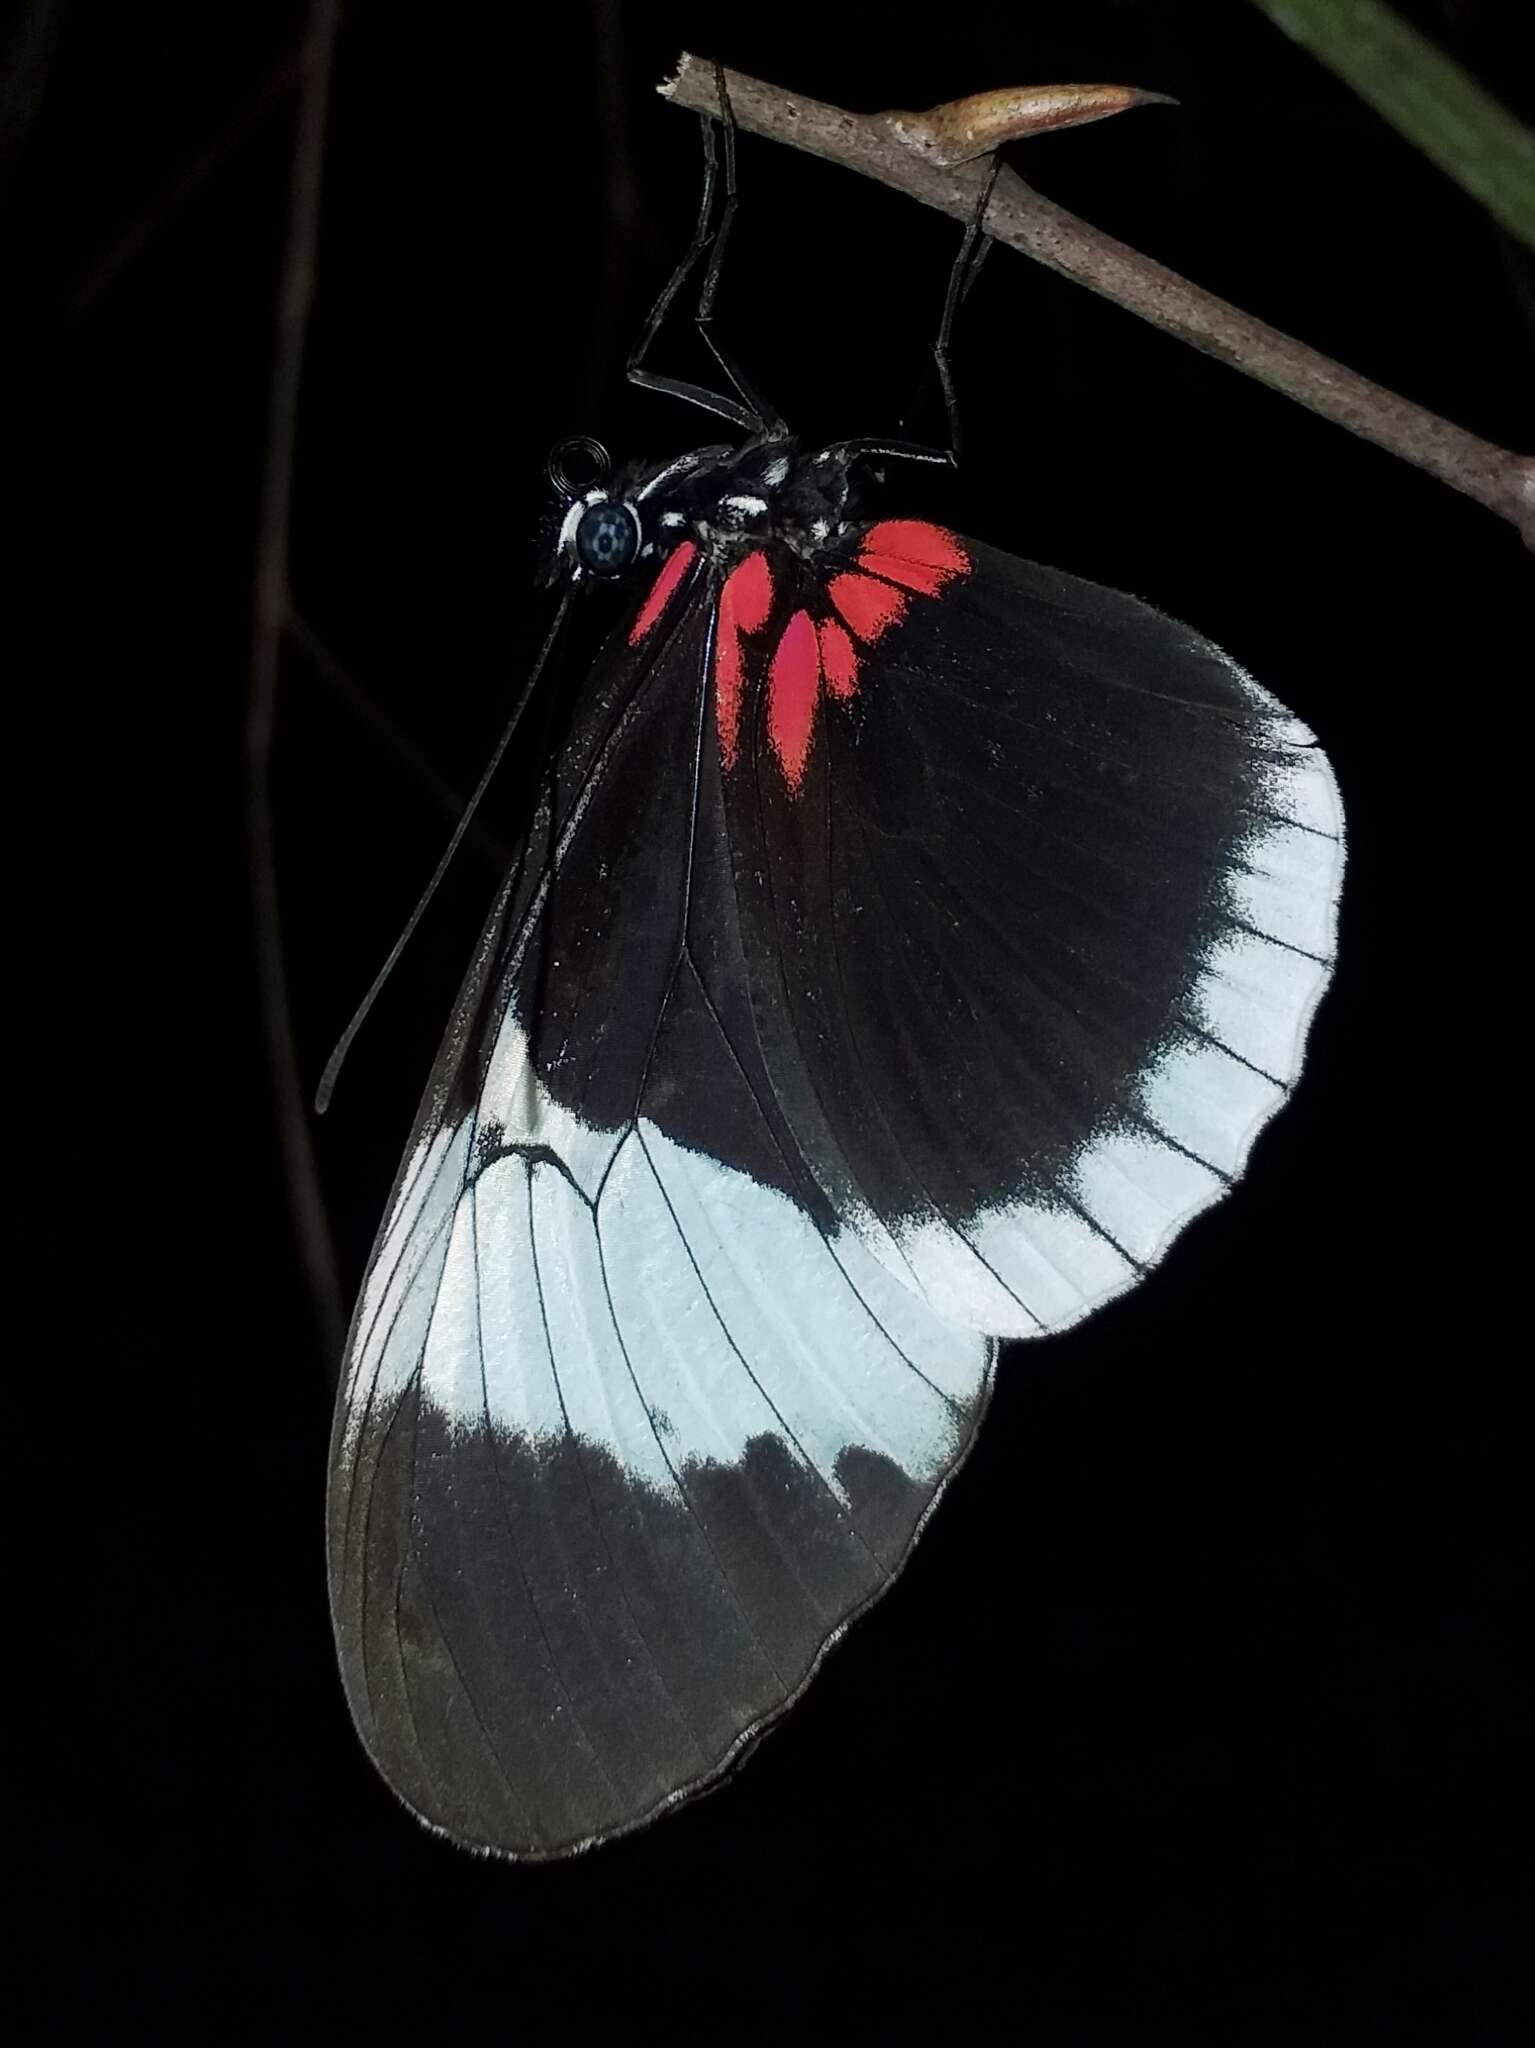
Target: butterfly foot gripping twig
[(745, 408)]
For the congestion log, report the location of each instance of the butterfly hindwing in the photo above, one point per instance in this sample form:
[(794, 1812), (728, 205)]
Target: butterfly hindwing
[(626, 1436)]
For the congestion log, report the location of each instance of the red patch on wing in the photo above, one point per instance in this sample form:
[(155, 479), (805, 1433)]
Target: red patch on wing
[(662, 591), (870, 608), (898, 559), (745, 602), (910, 552), (921, 577), (794, 683), (749, 587), (839, 659), (916, 546)]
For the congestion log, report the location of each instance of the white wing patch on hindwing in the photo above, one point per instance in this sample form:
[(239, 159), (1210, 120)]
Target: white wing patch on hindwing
[(648, 1300), (616, 1468)]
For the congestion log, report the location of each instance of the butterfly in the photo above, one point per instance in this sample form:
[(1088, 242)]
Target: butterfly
[(905, 942)]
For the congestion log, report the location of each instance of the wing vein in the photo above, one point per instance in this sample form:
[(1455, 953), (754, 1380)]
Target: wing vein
[(679, 1713), (686, 1497), (506, 1517), (740, 1358)]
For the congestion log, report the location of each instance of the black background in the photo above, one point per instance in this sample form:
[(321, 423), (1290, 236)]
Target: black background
[(1195, 1707)]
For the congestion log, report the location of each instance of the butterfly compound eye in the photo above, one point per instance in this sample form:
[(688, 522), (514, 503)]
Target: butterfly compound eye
[(607, 539)]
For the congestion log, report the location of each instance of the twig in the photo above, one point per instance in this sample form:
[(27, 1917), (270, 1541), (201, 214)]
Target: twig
[(295, 294), (1022, 218)]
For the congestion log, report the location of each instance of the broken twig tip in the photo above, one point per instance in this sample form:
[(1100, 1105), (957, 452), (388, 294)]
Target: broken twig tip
[(669, 84)]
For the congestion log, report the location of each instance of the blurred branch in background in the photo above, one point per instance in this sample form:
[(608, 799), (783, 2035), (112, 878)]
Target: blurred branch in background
[(270, 98), (30, 47), (327, 668), (1425, 96), (878, 146), (269, 621)]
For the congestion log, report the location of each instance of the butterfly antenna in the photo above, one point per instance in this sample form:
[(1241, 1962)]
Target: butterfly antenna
[(327, 1087)]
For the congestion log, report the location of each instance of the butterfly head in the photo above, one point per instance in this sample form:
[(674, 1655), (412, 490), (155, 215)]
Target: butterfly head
[(600, 532), (727, 501)]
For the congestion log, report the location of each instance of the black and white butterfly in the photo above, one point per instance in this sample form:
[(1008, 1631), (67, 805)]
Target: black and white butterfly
[(906, 943)]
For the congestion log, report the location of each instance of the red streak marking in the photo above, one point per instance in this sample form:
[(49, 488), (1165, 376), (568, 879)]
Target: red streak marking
[(675, 567), (839, 659), (745, 602), (749, 588), (794, 681), (727, 688), (870, 608), (913, 540)]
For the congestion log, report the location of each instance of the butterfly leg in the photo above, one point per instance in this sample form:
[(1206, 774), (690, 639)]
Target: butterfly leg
[(966, 268), (746, 409), (768, 419)]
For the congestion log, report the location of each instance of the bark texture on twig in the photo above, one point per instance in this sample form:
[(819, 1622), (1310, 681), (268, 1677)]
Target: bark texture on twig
[(1023, 219)]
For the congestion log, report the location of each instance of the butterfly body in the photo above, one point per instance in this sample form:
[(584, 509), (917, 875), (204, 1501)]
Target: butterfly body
[(725, 497)]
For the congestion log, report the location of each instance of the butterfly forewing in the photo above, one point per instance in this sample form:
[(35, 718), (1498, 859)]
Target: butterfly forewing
[(907, 942)]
